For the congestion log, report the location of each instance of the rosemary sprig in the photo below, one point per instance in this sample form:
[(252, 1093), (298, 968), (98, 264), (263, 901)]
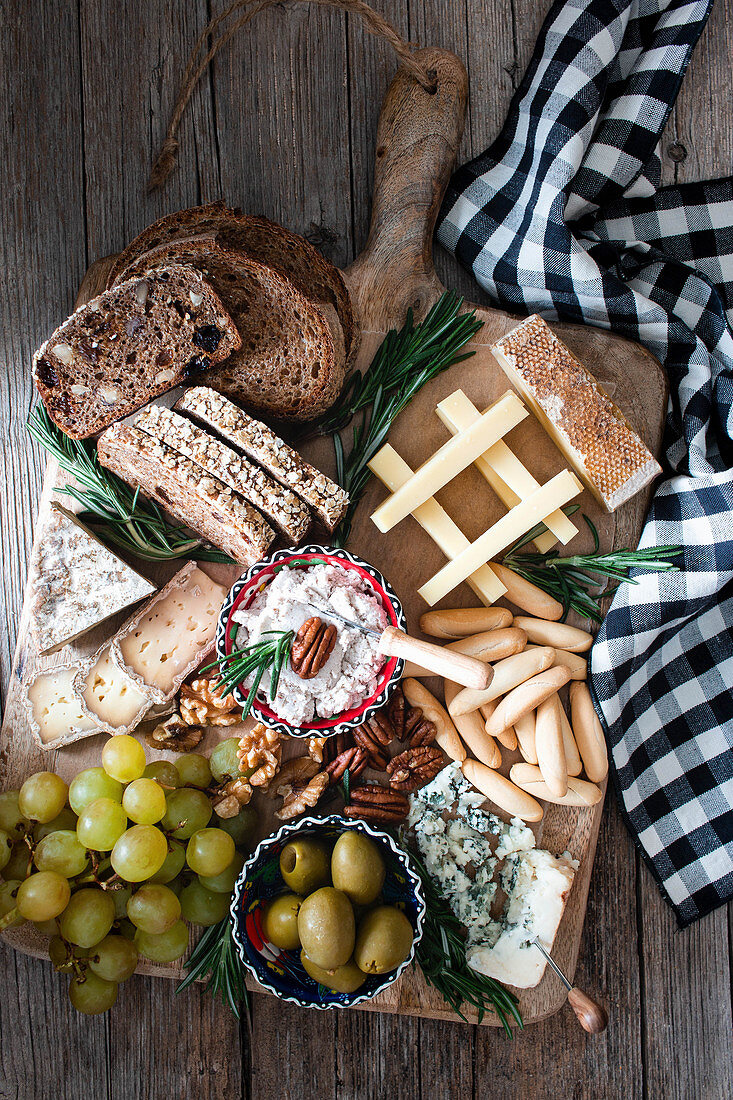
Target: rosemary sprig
[(406, 359), (578, 581), (118, 514), (215, 959), (441, 955), (269, 653)]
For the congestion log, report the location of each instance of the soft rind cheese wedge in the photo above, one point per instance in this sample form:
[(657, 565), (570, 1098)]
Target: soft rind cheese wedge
[(56, 714), (109, 696), (591, 432)]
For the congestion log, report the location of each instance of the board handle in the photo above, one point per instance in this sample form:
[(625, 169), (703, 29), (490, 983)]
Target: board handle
[(418, 137)]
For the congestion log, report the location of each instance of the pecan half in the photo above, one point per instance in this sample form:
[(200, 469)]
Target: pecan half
[(335, 745), (355, 759), (419, 730), (414, 767), (374, 803), (377, 757), (311, 648), (396, 709), (175, 735)]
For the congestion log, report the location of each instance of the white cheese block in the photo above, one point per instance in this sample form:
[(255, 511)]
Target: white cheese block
[(537, 885), (545, 500), (110, 696), (55, 711), (77, 582), (393, 471), (505, 473), (452, 458), (168, 638)]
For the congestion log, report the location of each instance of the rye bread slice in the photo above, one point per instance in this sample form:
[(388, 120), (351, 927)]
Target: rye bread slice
[(289, 365), (129, 345), (290, 255)]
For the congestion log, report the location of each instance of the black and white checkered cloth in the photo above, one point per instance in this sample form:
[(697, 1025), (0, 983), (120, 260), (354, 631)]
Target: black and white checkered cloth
[(563, 216)]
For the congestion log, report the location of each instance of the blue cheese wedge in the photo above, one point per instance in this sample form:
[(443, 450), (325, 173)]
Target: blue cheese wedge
[(77, 583)]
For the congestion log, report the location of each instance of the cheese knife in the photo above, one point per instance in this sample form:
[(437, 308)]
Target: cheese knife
[(591, 1016), (467, 671)]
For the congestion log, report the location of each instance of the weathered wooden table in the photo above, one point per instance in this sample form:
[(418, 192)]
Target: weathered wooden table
[(285, 126)]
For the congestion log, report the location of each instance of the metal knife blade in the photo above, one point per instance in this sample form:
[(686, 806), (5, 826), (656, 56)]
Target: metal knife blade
[(347, 622)]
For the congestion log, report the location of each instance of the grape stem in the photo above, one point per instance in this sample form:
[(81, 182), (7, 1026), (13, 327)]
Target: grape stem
[(8, 919)]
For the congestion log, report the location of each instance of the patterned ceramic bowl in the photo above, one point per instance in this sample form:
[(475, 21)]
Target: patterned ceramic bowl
[(280, 971), (260, 574)]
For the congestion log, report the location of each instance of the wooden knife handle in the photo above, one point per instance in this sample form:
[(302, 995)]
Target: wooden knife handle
[(592, 1016), (463, 670), (418, 137)]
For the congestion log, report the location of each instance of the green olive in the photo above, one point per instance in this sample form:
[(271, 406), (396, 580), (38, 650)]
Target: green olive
[(383, 941), (344, 979), (357, 867), (280, 921), (327, 928), (305, 865)]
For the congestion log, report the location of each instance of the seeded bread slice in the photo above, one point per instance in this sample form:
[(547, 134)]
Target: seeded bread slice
[(276, 502), (289, 365), (202, 502), (129, 345), (262, 240), (259, 442)]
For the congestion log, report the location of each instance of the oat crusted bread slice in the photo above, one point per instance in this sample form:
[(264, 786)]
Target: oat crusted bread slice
[(324, 496), (200, 501), (129, 345), (289, 365), (276, 502), (290, 255)]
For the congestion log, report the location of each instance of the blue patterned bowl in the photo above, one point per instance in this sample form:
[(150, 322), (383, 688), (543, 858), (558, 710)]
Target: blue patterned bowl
[(280, 971), (254, 580)]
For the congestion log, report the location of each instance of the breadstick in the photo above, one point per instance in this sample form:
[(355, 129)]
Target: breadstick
[(572, 756), (524, 728), (559, 635), (526, 697), (526, 595), (588, 733), (508, 674), (464, 621), (492, 645), (501, 791), (579, 792), (549, 746), (471, 728), (578, 665), (417, 695)]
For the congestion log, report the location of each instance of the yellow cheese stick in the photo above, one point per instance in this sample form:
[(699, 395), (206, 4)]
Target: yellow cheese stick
[(417, 695), (492, 645), (578, 665), (472, 730), (508, 674), (559, 635), (550, 747), (528, 596), (526, 697), (524, 728), (579, 792), (464, 621), (588, 733), (501, 791), (572, 756)]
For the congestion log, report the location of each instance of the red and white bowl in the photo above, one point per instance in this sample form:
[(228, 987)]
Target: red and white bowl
[(251, 583)]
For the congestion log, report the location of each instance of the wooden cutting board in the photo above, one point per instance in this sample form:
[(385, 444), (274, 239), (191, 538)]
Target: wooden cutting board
[(417, 142)]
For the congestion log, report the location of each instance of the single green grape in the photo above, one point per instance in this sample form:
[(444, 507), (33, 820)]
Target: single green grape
[(43, 796), (62, 852), (114, 959), (224, 762), (186, 812), (47, 927), (153, 908), (101, 824), (91, 994), (223, 883), (126, 928), (123, 758), (67, 819), (163, 772), (8, 891), (120, 896), (11, 819), (194, 770), (88, 917), (202, 906), (139, 853), (241, 828), (176, 885), (172, 864), (144, 801), (6, 848), (164, 947), (43, 896), (90, 784), (20, 861), (210, 851)]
